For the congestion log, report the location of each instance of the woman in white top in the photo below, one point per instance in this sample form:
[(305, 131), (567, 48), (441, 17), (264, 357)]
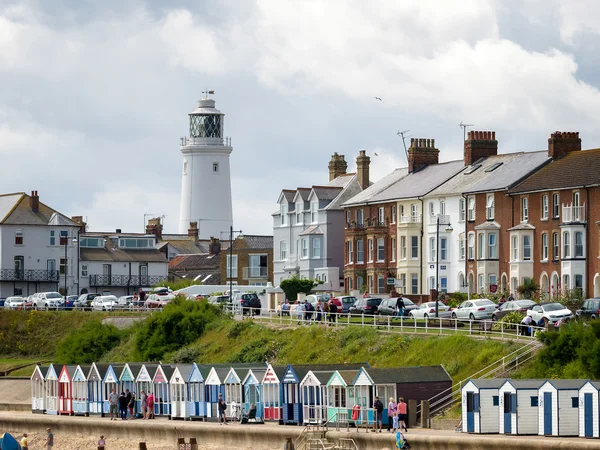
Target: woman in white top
[(299, 311)]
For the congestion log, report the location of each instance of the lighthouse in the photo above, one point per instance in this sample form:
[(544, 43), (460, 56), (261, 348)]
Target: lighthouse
[(206, 177)]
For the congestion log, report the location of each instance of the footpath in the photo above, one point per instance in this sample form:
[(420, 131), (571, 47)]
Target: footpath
[(270, 436)]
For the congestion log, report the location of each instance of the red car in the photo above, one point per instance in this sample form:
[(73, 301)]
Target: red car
[(337, 302), (158, 300)]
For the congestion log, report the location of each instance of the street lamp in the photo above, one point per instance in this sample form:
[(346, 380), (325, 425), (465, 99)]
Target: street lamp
[(231, 231), (67, 237), (449, 229)]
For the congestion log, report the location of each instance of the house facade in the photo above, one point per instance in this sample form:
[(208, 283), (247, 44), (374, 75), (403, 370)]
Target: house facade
[(38, 247), (309, 226), (250, 261), (554, 238)]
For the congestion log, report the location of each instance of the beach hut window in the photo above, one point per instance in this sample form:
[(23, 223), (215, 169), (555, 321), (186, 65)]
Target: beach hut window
[(495, 400), (534, 402), (575, 402)]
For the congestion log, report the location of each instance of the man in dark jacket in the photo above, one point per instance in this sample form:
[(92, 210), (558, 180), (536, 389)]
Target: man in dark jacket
[(123, 405), (400, 306), (222, 406), (378, 407)]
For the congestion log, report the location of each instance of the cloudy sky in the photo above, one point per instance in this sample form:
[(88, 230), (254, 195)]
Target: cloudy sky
[(94, 96)]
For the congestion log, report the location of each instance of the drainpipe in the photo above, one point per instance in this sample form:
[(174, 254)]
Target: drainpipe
[(467, 246), (421, 245), (587, 240)]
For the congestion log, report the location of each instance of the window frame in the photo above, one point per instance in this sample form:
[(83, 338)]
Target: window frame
[(360, 251), (381, 215), (462, 210), (350, 248), (380, 249), (579, 248), (524, 209), (283, 250), (443, 249), (370, 250), (480, 246), (555, 246), (544, 245), (394, 250), (403, 252), (316, 245), (545, 207), (414, 249), (492, 248), (394, 213), (471, 246), (19, 237), (490, 207), (527, 247), (566, 238), (471, 213), (52, 237)]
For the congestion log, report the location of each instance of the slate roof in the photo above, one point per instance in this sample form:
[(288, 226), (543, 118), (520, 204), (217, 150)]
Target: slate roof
[(314, 229), (168, 371), (185, 370), (512, 169), (15, 210), (348, 375), (489, 383), (44, 370), (289, 194), (415, 374), (326, 192), (255, 242), (112, 252), (575, 169), (304, 193), (526, 384), (567, 384), (336, 192), (195, 262), (377, 187), (102, 369)]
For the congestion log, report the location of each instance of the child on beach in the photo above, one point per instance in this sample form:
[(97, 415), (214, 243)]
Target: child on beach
[(101, 443), (395, 419)]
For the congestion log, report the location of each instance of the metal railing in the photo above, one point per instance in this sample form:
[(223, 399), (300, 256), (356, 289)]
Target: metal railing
[(126, 280), (255, 272), (571, 213), (407, 325), (51, 276), (411, 219)]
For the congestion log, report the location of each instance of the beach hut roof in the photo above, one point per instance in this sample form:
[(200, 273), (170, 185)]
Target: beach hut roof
[(489, 383), (185, 370), (414, 374), (526, 384), (567, 384)]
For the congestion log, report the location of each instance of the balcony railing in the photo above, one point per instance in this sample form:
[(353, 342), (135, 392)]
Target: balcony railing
[(51, 276), (126, 280), (444, 219), (291, 263), (572, 213), (255, 272), (411, 219), (355, 225)]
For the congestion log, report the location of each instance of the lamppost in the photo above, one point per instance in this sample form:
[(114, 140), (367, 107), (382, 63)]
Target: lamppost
[(75, 241), (449, 229), (231, 231)]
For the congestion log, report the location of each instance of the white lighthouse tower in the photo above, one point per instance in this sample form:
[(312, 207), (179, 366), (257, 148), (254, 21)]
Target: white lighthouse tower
[(206, 178)]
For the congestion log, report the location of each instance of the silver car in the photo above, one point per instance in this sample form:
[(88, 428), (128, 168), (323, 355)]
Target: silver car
[(475, 310), (428, 310)]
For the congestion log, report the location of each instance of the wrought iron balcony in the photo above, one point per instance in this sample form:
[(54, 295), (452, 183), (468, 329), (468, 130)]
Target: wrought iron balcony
[(51, 276), (571, 213), (255, 272), (354, 225), (126, 280)]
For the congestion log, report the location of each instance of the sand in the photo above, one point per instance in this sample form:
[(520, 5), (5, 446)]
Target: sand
[(81, 442)]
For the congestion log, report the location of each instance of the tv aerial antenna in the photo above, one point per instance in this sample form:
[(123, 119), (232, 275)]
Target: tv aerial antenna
[(464, 127), (401, 134)]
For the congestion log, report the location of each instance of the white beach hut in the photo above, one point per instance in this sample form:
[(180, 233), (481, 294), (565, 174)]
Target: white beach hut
[(558, 412), (179, 391), (518, 412), (80, 395), (51, 394), (589, 409), (480, 405), (313, 391), (38, 389)]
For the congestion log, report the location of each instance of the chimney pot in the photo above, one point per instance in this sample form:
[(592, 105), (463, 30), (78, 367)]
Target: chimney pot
[(561, 143), (34, 201), (362, 169), (423, 154), (118, 231), (337, 166), (480, 144)]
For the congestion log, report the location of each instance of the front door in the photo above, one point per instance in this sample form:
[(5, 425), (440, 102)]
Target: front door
[(547, 413), (471, 411), (19, 264), (144, 275), (507, 413), (588, 415)]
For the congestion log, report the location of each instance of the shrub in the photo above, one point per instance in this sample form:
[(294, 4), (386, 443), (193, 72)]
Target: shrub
[(528, 289), (510, 321), (179, 324), (296, 285), (88, 344)]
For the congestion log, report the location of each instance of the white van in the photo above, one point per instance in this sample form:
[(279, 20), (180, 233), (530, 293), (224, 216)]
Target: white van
[(105, 303)]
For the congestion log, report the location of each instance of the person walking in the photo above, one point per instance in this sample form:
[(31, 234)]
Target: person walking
[(299, 312), (24, 443), (131, 405), (378, 407), (391, 413), (400, 306), (143, 401), (128, 396), (222, 406), (123, 406), (113, 402), (150, 406), (402, 413), (142, 297), (49, 439)]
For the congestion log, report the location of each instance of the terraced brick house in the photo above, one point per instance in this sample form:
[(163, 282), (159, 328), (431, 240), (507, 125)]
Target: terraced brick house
[(250, 262)]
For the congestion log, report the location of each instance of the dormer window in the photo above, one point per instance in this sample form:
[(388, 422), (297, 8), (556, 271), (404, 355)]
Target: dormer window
[(283, 209), (314, 214), (131, 243), (299, 209)]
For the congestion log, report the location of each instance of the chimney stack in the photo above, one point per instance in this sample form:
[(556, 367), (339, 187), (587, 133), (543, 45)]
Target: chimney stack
[(337, 166), (561, 143), (362, 169), (480, 144), (193, 231), (421, 153), (79, 221), (214, 247), (154, 227), (34, 201)]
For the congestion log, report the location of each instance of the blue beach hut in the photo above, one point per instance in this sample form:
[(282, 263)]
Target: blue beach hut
[(215, 385), (126, 379), (291, 399), (196, 394), (110, 382), (80, 391), (95, 377), (253, 390)]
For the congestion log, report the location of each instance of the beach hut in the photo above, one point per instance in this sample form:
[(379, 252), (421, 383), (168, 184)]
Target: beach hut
[(178, 385), (65, 390), (80, 391), (110, 382), (480, 405), (518, 409), (234, 392), (214, 384), (313, 389), (253, 391), (361, 393), (143, 381), (51, 384), (196, 394), (589, 409), (95, 377), (558, 411), (271, 392), (291, 398), (160, 386), (38, 389), (126, 379), (337, 395)]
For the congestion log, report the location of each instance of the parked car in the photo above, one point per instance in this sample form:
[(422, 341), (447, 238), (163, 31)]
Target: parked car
[(516, 305), (47, 300), (339, 306), (159, 300), (553, 311), (427, 310), (388, 306), (105, 303), (366, 306), (70, 301), (475, 310), (590, 309), (313, 298), (219, 299), (2, 301), (347, 302), (250, 304), (85, 301), (125, 301), (14, 303)]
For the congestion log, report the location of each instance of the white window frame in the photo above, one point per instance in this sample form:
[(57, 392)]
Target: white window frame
[(524, 209), (471, 210), (442, 207), (555, 246), (431, 209), (414, 254), (555, 206), (283, 209), (299, 214), (231, 272), (545, 207), (480, 246), (360, 251), (403, 252), (350, 252), (471, 245), (19, 233), (370, 249), (461, 210), (432, 249), (414, 211), (414, 283), (515, 248), (52, 237), (443, 249), (527, 248), (393, 213), (84, 270), (360, 217), (489, 207), (381, 215), (304, 248), (492, 247), (393, 243), (282, 250), (314, 212), (544, 246), (316, 247), (380, 284), (566, 237), (579, 254), (461, 249)]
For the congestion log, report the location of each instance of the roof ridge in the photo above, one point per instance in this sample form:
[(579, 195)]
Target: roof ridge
[(12, 210), (327, 187)]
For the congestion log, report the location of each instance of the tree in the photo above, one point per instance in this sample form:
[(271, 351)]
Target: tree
[(528, 289), (296, 285)]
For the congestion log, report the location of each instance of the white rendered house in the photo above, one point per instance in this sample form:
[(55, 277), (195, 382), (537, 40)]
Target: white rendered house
[(206, 176)]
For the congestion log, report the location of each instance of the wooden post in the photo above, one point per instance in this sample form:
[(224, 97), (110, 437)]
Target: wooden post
[(143, 446), (425, 413), (412, 413), (193, 444)]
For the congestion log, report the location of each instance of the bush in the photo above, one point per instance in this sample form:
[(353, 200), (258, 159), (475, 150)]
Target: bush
[(296, 285), (510, 321), (180, 323), (88, 344)]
